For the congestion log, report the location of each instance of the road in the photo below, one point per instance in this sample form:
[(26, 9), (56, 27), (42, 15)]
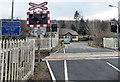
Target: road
[(84, 69), (82, 48)]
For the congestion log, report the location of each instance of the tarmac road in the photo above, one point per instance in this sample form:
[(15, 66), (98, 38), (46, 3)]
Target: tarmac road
[(106, 70), (86, 69), (82, 48)]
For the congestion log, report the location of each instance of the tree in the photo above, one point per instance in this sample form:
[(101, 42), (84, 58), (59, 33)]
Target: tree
[(73, 27), (77, 16), (63, 24), (82, 30), (98, 30)]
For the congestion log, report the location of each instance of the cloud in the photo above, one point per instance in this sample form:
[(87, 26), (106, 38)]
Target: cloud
[(61, 1), (62, 10), (105, 15)]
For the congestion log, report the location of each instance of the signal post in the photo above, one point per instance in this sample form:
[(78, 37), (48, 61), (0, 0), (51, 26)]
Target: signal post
[(38, 19)]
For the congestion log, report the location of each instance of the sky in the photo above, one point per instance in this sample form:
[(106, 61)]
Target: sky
[(63, 9)]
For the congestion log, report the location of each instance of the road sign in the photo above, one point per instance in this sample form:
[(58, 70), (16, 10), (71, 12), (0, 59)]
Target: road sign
[(38, 19), (41, 31), (35, 6), (11, 28)]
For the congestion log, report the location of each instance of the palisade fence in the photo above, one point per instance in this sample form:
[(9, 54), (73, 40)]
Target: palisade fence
[(16, 59)]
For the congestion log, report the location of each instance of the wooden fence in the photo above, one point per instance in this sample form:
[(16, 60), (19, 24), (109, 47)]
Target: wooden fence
[(16, 59)]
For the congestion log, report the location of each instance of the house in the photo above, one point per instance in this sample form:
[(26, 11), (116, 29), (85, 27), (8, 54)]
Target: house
[(68, 33)]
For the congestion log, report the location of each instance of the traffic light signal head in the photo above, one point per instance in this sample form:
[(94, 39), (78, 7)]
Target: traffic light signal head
[(113, 25), (54, 27), (38, 19)]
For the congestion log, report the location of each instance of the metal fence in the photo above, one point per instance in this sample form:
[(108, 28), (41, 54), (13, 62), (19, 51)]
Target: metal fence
[(110, 43), (46, 43), (16, 59)]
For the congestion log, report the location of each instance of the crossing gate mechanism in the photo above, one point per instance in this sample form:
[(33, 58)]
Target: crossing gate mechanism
[(38, 19)]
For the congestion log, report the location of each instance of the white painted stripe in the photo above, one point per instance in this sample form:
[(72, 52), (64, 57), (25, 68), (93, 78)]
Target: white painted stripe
[(31, 25), (38, 25), (65, 70), (51, 73), (113, 66), (44, 25), (27, 22), (48, 15), (48, 21), (57, 51), (64, 50), (44, 11)]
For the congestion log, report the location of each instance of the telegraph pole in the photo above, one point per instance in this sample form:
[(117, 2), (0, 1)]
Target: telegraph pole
[(12, 11)]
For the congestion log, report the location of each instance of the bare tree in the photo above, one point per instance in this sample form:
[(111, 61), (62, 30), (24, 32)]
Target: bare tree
[(98, 30)]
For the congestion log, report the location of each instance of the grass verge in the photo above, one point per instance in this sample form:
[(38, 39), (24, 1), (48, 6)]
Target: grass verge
[(41, 73), (58, 48)]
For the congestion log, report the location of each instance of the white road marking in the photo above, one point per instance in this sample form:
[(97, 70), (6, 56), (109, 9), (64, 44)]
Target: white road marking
[(64, 50), (57, 51), (51, 73), (113, 66), (65, 70)]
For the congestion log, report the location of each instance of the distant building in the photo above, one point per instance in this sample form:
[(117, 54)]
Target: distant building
[(68, 33)]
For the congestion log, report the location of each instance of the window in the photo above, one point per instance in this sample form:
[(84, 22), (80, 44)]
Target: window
[(61, 37), (73, 36)]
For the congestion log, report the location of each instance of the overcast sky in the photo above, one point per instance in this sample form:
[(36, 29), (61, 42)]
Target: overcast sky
[(64, 9)]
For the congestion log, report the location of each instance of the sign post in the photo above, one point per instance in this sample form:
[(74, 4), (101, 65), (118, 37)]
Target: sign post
[(40, 19)]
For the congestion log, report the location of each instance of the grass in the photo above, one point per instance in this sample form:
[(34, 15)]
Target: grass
[(58, 48), (41, 72)]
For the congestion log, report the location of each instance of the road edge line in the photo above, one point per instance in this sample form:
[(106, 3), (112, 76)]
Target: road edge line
[(50, 70), (65, 70), (113, 66), (57, 51)]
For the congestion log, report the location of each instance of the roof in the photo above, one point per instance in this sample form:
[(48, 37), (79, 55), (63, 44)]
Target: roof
[(64, 31)]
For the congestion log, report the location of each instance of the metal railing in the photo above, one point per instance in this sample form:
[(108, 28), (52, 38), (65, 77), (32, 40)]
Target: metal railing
[(46, 43)]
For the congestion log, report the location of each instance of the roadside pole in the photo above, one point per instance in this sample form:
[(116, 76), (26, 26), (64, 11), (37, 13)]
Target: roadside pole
[(51, 36), (1, 30), (39, 45), (12, 11), (118, 26)]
